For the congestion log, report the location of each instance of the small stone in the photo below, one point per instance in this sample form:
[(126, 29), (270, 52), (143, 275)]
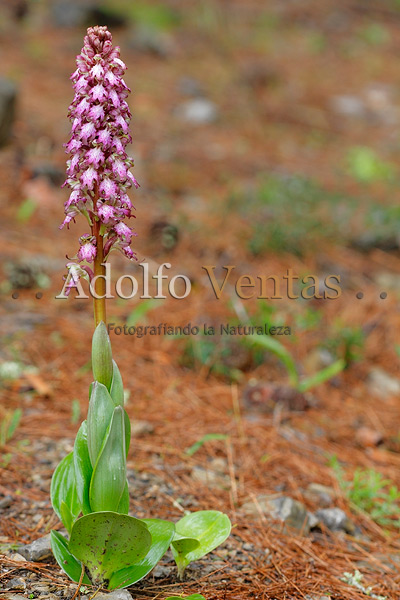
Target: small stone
[(383, 384), (38, 550), (140, 428), (162, 572), (17, 583), (322, 495), (313, 520), (17, 557), (348, 106), (8, 98), (335, 519), (291, 512), (114, 595), (188, 86), (368, 438), (70, 13), (199, 111), (151, 41), (7, 500)]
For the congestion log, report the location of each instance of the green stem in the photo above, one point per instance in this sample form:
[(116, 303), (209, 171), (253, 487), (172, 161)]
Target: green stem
[(99, 304)]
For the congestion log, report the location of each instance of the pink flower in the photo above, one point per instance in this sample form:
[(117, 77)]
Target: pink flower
[(89, 177), (123, 231), (95, 156), (98, 170), (108, 187), (87, 252), (98, 92), (106, 213)]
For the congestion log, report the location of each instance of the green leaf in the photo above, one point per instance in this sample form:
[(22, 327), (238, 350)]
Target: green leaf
[(123, 506), (117, 387), (209, 527), (192, 597), (322, 376), (127, 424), (83, 468), (161, 535), (101, 408), (109, 474), (107, 541), (183, 545), (206, 438), (63, 556), (280, 351), (102, 365), (63, 490)]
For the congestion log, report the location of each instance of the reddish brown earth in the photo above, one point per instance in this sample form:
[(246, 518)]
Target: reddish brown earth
[(277, 121)]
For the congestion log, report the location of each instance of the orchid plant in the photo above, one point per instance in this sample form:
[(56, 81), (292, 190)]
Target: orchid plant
[(106, 546)]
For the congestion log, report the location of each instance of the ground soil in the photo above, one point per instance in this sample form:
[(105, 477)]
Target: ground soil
[(277, 119)]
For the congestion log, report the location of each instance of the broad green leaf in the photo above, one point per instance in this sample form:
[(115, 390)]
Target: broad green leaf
[(183, 545), (209, 527), (83, 468), (161, 536), (63, 489), (123, 506), (66, 561), (105, 542), (109, 474), (192, 597), (102, 366), (127, 432), (117, 388), (101, 408)]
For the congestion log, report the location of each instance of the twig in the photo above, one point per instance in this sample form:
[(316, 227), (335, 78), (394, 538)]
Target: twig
[(79, 583)]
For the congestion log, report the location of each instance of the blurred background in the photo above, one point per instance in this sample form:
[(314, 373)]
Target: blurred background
[(265, 136)]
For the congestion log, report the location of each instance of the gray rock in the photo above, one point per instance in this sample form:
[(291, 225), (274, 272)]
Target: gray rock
[(38, 550), (199, 111), (8, 99), (140, 428), (188, 86), (17, 583), (161, 571), (71, 13), (320, 494), (151, 41), (114, 595), (383, 384), (348, 106), (291, 512), (14, 597), (335, 519)]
